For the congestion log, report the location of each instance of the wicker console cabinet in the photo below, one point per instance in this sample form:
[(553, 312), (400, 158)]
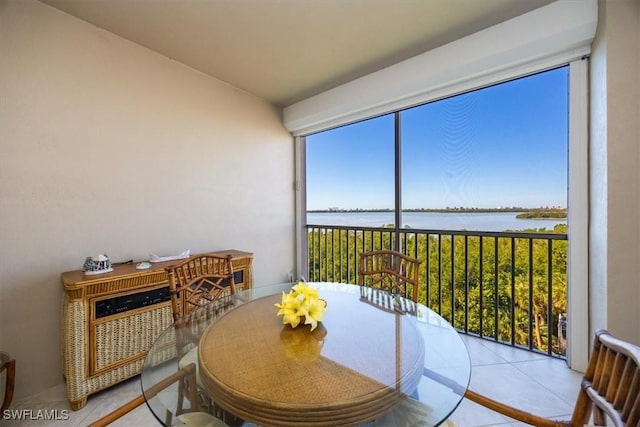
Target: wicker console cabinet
[(110, 320)]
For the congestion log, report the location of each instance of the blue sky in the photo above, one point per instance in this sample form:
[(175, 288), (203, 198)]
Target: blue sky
[(505, 145)]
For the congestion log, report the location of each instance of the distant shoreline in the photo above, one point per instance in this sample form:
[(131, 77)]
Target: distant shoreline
[(543, 214), (551, 213), (473, 219)]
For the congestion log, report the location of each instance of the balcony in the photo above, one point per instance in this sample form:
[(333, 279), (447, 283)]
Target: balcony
[(506, 287), (516, 280)]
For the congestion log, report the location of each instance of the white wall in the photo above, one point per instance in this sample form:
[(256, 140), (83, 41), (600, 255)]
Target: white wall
[(615, 171), (109, 147)]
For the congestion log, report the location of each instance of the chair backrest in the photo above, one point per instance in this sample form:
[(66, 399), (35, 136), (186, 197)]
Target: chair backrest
[(390, 270), (199, 280), (611, 384)]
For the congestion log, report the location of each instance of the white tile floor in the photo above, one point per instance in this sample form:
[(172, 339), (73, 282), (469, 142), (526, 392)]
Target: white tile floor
[(526, 380), (535, 383)]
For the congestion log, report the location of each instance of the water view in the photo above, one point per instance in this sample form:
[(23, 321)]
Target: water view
[(475, 221)]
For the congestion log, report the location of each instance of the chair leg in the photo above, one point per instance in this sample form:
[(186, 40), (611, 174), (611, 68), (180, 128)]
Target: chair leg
[(10, 367), (118, 413)]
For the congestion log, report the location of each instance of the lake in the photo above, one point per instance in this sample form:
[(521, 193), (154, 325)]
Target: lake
[(488, 221)]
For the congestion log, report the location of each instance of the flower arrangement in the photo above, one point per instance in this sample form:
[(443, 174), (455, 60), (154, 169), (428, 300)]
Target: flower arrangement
[(302, 304)]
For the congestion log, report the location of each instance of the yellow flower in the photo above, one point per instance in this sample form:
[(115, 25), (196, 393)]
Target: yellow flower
[(306, 291), (290, 309), (301, 301), (315, 313)]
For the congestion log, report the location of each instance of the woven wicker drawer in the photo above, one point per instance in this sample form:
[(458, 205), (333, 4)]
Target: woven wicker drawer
[(124, 338)]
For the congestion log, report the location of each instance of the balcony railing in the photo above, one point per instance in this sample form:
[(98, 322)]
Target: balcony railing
[(508, 287)]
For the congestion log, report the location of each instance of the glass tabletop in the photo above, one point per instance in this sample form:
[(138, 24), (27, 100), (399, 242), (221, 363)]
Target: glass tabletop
[(376, 359)]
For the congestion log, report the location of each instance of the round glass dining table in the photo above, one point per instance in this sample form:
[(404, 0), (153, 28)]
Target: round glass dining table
[(376, 359)]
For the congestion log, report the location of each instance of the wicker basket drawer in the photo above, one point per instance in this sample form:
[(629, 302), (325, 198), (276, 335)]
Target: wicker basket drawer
[(125, 337)]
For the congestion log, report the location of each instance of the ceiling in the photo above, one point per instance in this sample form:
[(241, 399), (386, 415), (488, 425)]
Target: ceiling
[(287, 50)]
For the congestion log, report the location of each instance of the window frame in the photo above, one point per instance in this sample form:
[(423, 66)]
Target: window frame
[(577, 204)]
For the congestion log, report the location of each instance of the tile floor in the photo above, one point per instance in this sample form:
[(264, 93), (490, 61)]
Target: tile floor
[(526, 380)]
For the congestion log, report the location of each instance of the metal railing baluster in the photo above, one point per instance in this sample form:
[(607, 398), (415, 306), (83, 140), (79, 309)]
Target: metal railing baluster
[(471, 270)]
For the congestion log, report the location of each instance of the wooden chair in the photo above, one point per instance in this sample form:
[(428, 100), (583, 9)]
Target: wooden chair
[(188, 330), (189, 417), (199, 280), (205, 282), (391, 271), (9, 365), (610, 388)]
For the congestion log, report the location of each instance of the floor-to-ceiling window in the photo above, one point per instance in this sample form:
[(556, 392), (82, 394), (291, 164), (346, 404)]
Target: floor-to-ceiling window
[(450, 178)]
